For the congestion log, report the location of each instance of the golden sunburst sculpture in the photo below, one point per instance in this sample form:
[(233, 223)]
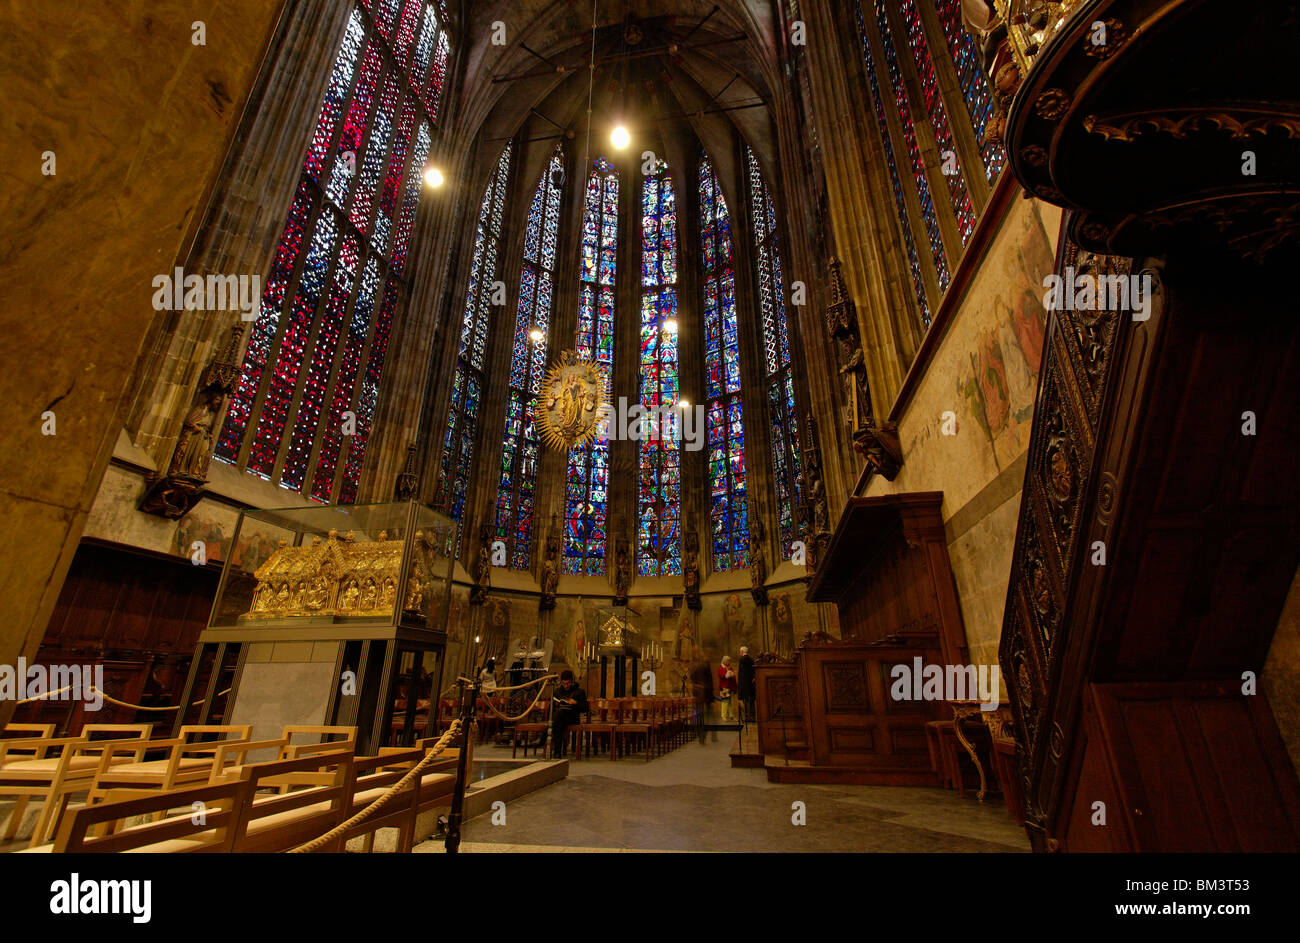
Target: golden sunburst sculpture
[(575, 396)]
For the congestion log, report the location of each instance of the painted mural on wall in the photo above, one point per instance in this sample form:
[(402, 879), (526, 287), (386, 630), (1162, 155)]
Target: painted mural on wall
[(212, 524), (997, 383)]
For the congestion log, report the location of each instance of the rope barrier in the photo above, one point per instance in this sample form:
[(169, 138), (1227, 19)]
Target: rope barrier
[(379, 803), (113, 700), (527, 710)]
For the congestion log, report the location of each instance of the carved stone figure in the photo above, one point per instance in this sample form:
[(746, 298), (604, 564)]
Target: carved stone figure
[(550, 578), (881, 448), (175, 492), (622, 575), (691, 570), (194, 447), (757, 558), (483, 568)]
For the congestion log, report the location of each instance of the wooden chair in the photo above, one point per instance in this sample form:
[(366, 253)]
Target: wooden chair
[(634, 724), (98, 828), (33, 772), (347, 739), (523, 729), (374, 776), (179, 768), (601, 722), (294, 815), (27, 732)]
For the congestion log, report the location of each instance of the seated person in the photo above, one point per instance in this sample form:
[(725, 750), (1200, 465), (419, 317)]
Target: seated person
[(568, 704)]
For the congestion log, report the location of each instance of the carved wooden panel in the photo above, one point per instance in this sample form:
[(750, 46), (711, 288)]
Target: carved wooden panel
[(1078, 356), (852, 718)]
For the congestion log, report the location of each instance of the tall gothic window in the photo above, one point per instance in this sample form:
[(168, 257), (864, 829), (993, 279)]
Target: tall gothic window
[(467, 387), (514, 515), (586, 491), (659, 550), (728, 512), (776, 349), (974, 84), (301, 415), (899, 35)]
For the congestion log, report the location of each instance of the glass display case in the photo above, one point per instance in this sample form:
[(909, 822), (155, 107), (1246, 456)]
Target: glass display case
[(337, 572)]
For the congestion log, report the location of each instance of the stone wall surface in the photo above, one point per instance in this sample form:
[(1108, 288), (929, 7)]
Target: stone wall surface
[(965, 429), (138, 119)]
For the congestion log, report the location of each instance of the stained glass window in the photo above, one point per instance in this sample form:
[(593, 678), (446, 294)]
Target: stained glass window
[(519, 448), (467, 386), (973, 82), (586, 490), (302, 411), (954, 172), (728, 511), (898, 92), (782, 408), (658, 540), (913, 259)]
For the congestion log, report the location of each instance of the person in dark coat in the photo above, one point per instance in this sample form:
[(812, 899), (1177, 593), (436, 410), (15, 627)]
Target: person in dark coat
[(568, 704), (745, 689)]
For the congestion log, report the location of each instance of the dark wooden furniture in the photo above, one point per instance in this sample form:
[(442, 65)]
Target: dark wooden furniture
[(832, 715), (1159, 527)]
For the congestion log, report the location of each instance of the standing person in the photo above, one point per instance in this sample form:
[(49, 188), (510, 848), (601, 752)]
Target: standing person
[(702, 688), (727, 689), (568, 704), (745, 688), (488, 676)]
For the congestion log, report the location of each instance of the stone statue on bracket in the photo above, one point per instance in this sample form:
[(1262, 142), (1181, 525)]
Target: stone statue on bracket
[(842, 327), (550, 578), (816, 514), (691, 569), (175, 492), (622, 573), (407, 486), (757, 558), (483, 568), (879, 445)]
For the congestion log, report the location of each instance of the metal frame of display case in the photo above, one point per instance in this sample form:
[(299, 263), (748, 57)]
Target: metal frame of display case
[(373, 649)]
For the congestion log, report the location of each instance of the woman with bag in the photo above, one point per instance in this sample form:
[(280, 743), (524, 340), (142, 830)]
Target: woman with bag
[(727, 689)]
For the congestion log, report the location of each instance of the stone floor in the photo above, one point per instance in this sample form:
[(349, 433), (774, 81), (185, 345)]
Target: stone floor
[(692, 800)]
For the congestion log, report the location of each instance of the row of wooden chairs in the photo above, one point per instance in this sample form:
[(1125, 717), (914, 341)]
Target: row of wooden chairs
[(268, 807), (617, 726), (114, 759)]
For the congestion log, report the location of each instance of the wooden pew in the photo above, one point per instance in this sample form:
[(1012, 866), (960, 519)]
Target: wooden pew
[(223, 805), (37, 774), (294, 816), (241, 816)]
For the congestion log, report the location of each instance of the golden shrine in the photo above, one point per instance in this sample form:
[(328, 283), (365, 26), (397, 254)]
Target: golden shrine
[(338, 577)]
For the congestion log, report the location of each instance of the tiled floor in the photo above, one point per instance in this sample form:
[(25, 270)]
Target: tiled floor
[(692, 800)]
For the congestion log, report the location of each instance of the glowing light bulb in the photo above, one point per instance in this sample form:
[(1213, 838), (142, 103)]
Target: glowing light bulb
[(670, 326), (536, 335), (684, 404), (619, 137), (433, 177)]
